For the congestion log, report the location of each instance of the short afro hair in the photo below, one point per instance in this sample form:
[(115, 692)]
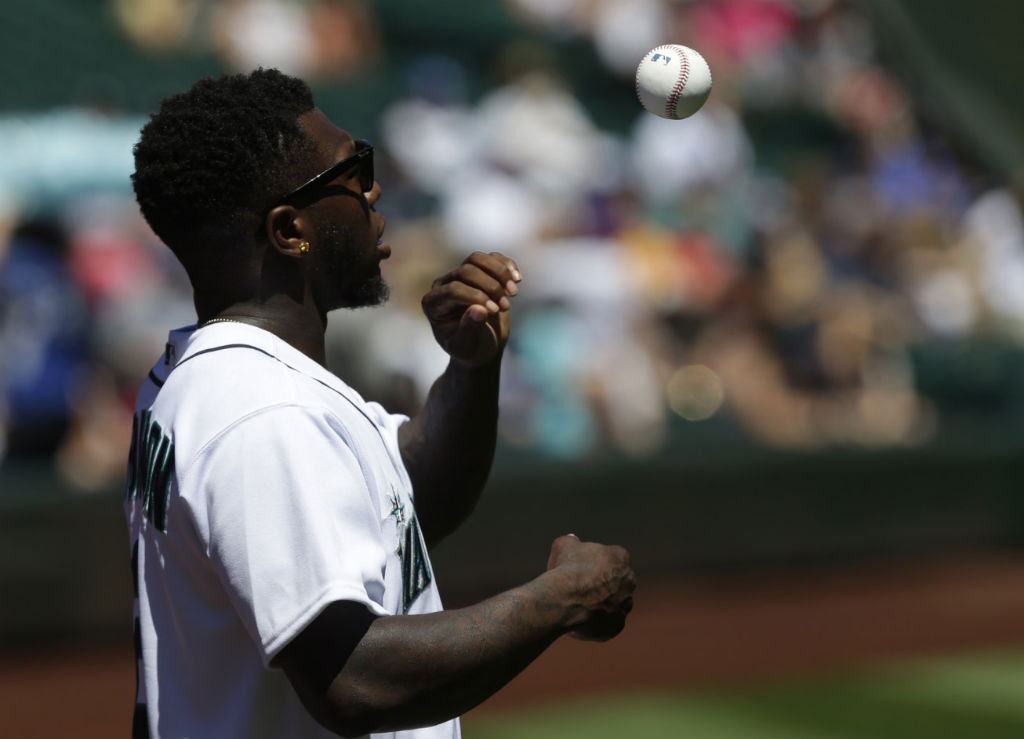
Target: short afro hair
[(213, 159)]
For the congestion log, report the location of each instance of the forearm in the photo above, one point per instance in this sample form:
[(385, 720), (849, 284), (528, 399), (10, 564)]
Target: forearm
[(449, 446), (357, 673), (410, 671)]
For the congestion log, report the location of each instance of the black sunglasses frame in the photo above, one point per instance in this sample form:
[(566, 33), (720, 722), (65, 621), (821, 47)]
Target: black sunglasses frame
[(363, 158)]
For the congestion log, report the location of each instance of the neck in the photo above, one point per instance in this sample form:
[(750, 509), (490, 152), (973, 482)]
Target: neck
[(295, 323), (266, 291)]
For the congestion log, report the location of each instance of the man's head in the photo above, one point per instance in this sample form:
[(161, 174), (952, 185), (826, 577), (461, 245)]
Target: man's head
[(212, 168), (212, 160)]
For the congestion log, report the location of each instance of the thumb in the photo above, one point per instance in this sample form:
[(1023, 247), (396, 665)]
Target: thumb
[(473, 315), (558, 546)]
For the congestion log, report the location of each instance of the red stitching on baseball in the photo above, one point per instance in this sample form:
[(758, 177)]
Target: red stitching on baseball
[(677, 89)]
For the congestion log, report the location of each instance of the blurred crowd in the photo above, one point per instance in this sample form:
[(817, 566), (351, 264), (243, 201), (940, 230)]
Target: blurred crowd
[(771, 265)]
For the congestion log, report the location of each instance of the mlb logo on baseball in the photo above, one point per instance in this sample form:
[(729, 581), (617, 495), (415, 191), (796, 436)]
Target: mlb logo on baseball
[(673, 81)]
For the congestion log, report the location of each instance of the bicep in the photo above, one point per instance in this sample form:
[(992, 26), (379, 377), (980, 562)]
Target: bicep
[(315, 657)]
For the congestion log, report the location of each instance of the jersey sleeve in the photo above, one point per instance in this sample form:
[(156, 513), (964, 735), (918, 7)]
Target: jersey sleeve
[(288, 522), (389, 423)]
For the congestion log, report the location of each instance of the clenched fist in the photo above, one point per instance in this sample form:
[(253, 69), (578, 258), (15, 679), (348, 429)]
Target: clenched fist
[(598, 583)]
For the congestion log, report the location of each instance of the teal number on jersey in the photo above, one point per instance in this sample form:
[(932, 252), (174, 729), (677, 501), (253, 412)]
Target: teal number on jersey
[(150, 468), (415, 566)]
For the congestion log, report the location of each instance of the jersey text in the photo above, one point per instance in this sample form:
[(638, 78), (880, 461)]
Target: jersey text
[(150, 467)]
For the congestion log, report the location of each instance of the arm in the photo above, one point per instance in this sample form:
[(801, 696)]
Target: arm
[(449, 446), (409, 671)]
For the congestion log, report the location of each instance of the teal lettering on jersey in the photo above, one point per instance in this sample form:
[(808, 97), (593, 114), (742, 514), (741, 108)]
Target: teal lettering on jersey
[(415, 567), (150, 467)]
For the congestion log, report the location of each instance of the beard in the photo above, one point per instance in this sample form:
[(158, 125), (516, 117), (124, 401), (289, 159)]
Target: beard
[(352, 273)]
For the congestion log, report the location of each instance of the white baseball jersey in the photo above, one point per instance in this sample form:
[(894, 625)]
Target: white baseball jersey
[(261, 488)]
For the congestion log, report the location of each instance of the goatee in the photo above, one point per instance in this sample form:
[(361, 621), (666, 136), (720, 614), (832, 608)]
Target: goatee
[(355, 271)]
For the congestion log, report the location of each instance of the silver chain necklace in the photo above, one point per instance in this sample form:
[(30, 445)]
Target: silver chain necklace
[(204, 324)]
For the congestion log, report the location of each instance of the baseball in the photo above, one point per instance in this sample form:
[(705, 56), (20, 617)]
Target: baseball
[(673, 81)]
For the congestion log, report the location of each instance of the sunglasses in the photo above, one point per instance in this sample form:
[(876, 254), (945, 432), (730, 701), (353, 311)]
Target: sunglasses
[(363, 159)]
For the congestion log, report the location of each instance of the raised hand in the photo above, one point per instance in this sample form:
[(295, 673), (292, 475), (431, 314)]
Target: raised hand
[(468, 308)]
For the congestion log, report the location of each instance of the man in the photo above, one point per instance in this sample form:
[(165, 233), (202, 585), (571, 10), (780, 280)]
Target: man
[(280, 523)]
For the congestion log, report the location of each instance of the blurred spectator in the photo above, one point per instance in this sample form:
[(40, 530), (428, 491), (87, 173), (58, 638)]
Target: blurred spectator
[(553, 16), (319, 39), (994, 235), (625, 30), (669, 161), (43, 332), (134, 291), (158, 25), (431, 132)]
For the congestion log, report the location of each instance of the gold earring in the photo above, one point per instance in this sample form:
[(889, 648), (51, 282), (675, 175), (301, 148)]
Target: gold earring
[(304, 247)]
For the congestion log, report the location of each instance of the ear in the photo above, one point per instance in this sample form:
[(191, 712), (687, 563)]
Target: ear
[(287, 230)]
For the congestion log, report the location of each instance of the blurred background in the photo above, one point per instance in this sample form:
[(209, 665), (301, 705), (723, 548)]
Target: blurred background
[(776, 349)]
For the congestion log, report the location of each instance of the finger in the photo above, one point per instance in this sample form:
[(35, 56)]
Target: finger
[(511, 264), (502, 268), (475, 276), (453, 297), (478, 277), (495, 273)]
